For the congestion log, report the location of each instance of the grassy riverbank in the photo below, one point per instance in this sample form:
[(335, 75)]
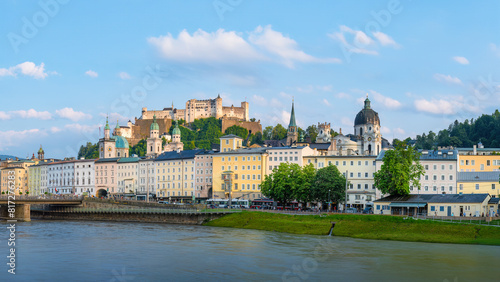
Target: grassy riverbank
[(364, 226)]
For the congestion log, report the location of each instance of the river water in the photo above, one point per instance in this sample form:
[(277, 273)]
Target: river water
[(118, 251)]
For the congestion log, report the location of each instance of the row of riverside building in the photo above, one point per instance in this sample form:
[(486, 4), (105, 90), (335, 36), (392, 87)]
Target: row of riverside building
[(177, 175)]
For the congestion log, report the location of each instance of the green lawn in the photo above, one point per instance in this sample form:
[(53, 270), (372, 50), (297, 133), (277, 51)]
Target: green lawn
[(364, 226)]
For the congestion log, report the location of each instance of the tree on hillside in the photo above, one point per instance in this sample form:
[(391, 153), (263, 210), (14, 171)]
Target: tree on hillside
[(279, 132), (139, 149), (256, 139), (282, 183), (401, 168), (237, 130), (89, 151), (329, 185), (312, 131), (267, 133)]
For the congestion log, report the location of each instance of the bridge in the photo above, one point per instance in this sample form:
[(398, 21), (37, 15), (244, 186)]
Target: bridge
[(84, 208)]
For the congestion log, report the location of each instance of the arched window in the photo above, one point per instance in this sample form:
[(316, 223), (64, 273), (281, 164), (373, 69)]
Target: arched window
[(361, 131)]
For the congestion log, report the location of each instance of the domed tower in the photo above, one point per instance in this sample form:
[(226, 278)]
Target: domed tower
[(41, 154), (367, 130), (154, 141), (107, 145), (293, 133), (176, 144), (121, 143)]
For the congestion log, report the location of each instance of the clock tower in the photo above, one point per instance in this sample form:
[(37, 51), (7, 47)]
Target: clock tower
[(107, 145)]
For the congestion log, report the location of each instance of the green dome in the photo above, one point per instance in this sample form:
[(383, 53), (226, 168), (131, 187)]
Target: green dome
[(107, 125), (176, 130), (41, 150), (117, 126), (154, 125), (121, 142)]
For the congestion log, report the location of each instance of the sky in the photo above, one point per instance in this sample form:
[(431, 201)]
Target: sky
[(66, 65)]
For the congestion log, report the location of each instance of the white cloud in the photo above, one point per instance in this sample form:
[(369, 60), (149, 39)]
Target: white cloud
[(495, 49), (15, 138), (259, 100), (91, 73), (399, 131), (385, 40), (286, 95), (55, 129), (346, 121), (27, 69), (275, 103), (446, 106), (4, 116), (388, 102), (123, 75), (220, 46), (461, 60), (447, 78), (385, 130), (114, 117), (31, 113), (325, 101), (284, 47), (342, 95), (81, 128), (229, 47), (71, 114)]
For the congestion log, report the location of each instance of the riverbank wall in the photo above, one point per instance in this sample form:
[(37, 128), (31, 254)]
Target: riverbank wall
[(171, 218)]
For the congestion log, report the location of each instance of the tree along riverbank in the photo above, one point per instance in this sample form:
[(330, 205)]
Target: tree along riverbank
[(377, 227)]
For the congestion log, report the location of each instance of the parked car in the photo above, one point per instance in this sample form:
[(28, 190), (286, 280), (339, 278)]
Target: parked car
[(162, 202), (351, 210)]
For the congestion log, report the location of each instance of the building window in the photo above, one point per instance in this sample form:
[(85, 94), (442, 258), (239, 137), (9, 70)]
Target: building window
[(493, 186), (482, 167), (477, 186), (433, 208), (451, 188), (441, 208), (461, 187)]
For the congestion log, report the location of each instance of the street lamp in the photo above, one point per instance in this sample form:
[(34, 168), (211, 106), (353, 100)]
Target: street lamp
[(329, 202)]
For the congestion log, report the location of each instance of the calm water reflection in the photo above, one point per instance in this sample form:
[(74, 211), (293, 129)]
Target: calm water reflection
[(113, 251)]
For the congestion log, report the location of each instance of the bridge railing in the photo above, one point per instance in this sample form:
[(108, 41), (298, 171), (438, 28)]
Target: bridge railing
[(42, 197), (134, 210)]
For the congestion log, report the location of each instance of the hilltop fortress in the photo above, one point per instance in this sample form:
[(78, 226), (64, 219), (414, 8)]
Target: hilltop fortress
[(195, 109)]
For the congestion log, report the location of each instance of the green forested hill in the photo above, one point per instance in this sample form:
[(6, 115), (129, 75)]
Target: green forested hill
[(485, 129)]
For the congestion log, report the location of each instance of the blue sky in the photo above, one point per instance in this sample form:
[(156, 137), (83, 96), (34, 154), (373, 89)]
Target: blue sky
[(65, 65)]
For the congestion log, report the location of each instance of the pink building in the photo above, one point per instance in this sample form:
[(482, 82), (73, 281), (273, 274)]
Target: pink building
[(203, 174), (106, 176)]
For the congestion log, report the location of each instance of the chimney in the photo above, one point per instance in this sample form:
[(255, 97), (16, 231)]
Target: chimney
[(474, 150)]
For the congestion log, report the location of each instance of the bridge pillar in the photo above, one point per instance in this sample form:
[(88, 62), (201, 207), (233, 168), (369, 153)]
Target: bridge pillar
[(22, 212)]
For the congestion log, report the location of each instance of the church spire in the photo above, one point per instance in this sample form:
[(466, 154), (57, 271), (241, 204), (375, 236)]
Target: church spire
[(367, 102), (292, 118)]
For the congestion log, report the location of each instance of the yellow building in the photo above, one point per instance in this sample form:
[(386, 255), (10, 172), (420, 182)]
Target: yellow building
[(35, 179), (360, 171), (485, 182), (20, 171), (479, 163), (239, 171), (175, 175)]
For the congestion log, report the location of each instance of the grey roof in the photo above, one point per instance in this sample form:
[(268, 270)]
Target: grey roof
[(439, 198), (129, 160), (475, 176), (259, 150), (107, 160), (181, 155), (494, 201), (230, 136), (285, 148), (446, 155), (438, 155), (5, 157), (320, 146)]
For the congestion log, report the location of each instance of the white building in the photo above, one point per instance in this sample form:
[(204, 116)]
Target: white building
[(294, 155), (147, 177), (71, 177), (127, 175)]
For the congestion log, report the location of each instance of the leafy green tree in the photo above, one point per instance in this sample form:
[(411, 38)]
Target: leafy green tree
[(401, 168), (304, 191), (256, 139), (89, 151), (268, 133), (329, 185), (138, 149), (312, 131), (253, 120), (279, 132), (282, 183), (237, 130)]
